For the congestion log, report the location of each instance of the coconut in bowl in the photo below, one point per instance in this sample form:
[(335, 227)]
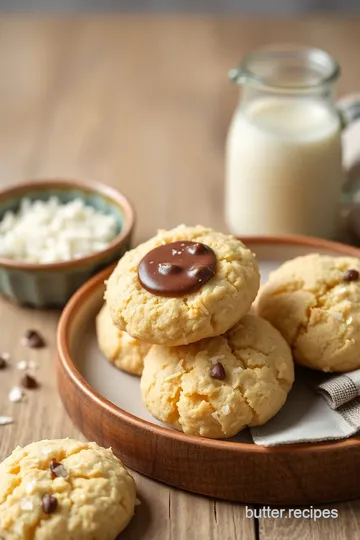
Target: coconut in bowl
[(55, 234)]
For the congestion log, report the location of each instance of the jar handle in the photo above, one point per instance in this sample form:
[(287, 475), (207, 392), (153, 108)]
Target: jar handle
[(349, 111)]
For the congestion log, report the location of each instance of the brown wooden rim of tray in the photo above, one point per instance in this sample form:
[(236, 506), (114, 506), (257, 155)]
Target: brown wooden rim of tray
[(90, 186), (132, 420)]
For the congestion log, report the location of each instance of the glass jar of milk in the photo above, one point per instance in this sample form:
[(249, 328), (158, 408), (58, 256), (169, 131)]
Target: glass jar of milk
[(284, 171)]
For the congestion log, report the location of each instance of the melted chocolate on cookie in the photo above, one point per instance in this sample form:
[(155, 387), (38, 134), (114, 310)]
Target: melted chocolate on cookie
[(177, 269)]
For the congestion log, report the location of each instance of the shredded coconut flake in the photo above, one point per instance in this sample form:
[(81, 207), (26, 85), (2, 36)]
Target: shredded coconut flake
[(19, 528), (22, 365), (30, 487), (349, 321), (46, 450), (342, 290), (337, 315), (203, 309), (179, 365), (225, 410), (50, 231), (26, 504), (171, 377), (6, 420), (16, 394), (216, 416)]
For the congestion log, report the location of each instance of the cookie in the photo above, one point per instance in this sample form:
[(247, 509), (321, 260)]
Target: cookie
[(218, 386), (64, 490), (314, 301), (183, 285), (122, 350)]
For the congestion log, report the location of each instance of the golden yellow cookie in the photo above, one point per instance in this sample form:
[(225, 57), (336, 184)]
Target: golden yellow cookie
[(64, 490), (218, 386), (210, 311), (122, 350), (311, 301)]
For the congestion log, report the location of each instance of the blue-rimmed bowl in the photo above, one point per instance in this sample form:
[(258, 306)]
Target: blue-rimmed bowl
[(51, 285)]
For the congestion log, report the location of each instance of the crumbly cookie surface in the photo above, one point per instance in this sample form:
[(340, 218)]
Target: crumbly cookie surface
[(121, 349), (95, 501), (212, 310), (316, 310), (178, 388)]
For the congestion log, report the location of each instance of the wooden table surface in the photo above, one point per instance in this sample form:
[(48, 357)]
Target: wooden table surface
[(142, 104)]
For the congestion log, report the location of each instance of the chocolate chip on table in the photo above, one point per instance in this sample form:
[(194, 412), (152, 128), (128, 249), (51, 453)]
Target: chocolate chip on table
[(3, 361), (351, 275), (218, 372), (49, 504), (29, 382), (57, 470), (33, 339)]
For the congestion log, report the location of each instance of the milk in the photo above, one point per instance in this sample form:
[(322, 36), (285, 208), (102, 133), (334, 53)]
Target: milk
[(283, 167)]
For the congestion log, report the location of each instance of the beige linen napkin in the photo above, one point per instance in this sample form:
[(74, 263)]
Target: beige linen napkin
[(318, 408), (340, 389)]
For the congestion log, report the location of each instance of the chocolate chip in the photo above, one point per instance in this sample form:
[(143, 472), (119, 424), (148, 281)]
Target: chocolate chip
[(351, 275), (29, 382), (218, 372), (200, 272), (49, 504), (3, 362), (57, 469), (196, 249), (168, 268), (33, 339)]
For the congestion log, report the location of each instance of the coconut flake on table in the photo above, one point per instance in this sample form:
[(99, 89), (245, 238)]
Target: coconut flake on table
[(6, 420), (51, 231), (16, 394), (24, 365)]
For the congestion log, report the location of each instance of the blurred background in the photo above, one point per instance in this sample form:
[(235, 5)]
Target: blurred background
[(213, 6), (136, 94)]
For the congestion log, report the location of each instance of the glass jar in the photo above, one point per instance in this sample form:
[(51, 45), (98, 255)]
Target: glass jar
[(284, 172)]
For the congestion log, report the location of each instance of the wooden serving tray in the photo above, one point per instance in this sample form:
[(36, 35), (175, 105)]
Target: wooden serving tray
[(106, 406)]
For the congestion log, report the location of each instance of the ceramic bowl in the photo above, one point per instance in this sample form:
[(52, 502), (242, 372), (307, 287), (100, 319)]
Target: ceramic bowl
[(51, 285)]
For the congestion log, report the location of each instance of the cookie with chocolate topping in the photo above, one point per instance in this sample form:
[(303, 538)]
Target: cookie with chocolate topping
[(183, 285)]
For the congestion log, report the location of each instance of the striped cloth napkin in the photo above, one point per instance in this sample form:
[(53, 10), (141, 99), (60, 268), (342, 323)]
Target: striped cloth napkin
[(341, 392), (319, 408)]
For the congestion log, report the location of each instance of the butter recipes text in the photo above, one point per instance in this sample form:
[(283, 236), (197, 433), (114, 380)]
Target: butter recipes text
[(266, 512)]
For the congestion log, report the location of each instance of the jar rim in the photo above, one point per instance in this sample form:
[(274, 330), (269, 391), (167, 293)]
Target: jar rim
[(323, 67)]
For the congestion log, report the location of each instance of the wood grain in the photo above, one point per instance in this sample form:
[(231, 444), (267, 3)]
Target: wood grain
[(142, 104)]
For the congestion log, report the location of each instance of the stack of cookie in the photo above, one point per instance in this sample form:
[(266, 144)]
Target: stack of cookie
[(179, 303)]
